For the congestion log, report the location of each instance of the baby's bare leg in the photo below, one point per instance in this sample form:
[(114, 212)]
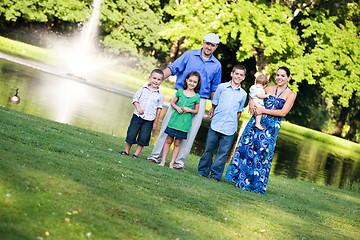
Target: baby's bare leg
[(257, 121)]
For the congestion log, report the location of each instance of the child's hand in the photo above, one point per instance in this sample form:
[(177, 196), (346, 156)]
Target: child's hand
[(210, 113), (154, 126), (140, 111), (186, 109), (180, 110)]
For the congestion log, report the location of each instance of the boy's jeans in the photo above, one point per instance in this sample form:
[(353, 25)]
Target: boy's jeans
[(206, 164)]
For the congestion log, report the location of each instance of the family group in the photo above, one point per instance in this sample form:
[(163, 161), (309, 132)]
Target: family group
[(198, 79)]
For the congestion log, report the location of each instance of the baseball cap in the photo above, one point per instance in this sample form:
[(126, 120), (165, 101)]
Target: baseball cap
[(212, 38)]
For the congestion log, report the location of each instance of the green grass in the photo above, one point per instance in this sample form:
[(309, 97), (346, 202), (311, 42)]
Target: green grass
[(62, 182), (306, 133), (24, 50)]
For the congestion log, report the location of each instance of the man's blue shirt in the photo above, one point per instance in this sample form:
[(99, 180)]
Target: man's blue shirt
[(190, 61), (228, 103)]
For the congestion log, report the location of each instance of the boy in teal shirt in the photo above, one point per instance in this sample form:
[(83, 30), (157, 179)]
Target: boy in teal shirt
[(227, 105)]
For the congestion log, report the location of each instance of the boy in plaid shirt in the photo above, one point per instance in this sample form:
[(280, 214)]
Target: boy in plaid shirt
[(148, 102)]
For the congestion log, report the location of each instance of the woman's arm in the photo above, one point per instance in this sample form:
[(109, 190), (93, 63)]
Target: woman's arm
[(280, 112)]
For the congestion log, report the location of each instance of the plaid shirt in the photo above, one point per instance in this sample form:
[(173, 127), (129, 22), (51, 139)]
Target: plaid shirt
[(149, 101)]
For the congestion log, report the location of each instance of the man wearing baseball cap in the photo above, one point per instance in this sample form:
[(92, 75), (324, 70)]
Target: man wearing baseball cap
[(202, 61)]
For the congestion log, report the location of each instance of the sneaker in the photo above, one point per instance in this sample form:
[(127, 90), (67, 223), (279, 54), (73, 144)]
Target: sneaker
[(161, 164), (124, 153), (134, 156)]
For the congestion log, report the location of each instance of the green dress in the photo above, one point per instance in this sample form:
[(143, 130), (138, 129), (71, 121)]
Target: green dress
[(182, 122)]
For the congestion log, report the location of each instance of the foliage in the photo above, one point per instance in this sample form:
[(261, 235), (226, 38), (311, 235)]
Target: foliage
[(310, 108), (250, 30), (44, 11), (334, 59), (317, 39), (131, 27), (63, 182)]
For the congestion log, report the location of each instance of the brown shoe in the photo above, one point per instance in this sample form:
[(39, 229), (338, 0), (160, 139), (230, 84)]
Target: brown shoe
[(212, 178), (152, 160), (181, 169)]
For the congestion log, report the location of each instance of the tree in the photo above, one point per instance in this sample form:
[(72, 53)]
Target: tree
[(333, 55), (131, 27), (250, 30), (25, 20)]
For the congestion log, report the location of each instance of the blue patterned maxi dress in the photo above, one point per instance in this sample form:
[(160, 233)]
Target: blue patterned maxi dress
[(250, 166)]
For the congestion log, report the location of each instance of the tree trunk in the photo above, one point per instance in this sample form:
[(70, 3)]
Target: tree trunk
[(350, 135), (175, 51), (262, 63), (353, 118), (341, 121)]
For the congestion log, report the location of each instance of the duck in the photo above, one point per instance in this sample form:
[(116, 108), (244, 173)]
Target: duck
[(15, 99)]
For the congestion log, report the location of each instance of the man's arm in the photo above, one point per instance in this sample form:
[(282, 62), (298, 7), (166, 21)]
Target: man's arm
[(167, 73), (212, 95)]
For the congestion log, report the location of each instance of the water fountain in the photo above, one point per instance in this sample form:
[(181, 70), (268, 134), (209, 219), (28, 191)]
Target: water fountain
[(81, 60), (80, 52)]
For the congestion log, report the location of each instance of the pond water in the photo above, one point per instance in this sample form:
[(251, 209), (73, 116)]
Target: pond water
[(89, 105)]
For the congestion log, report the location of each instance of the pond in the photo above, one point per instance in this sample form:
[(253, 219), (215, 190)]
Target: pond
[(89, 105)]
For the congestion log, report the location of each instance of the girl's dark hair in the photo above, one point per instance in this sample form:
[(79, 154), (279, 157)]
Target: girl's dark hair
[(286, 70), (198, 86)]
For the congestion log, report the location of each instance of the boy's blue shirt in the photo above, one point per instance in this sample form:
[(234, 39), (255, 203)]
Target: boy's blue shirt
[(228, 103)]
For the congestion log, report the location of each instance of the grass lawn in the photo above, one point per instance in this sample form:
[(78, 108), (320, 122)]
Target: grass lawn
[(62, 182)]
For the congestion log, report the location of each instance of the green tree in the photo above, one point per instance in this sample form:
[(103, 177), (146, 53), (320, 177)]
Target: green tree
[(333, 55), (317, 39), (249, 29), (44, 11), (131, 28), (23, 19)]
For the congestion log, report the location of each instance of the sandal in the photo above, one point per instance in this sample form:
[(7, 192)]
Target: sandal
[(135, 156), (124, 153)]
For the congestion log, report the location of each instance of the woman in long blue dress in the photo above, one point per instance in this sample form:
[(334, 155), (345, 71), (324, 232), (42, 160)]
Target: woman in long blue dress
[(250, 166)]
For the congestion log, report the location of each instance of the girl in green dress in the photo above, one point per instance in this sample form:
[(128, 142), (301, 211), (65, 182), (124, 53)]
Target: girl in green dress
[(185, 102)]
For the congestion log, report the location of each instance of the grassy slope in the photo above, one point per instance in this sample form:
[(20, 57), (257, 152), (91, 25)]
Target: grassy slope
[(66, 182)]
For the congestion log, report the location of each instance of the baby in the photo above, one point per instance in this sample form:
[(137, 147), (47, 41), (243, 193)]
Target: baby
[(257, 93)]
